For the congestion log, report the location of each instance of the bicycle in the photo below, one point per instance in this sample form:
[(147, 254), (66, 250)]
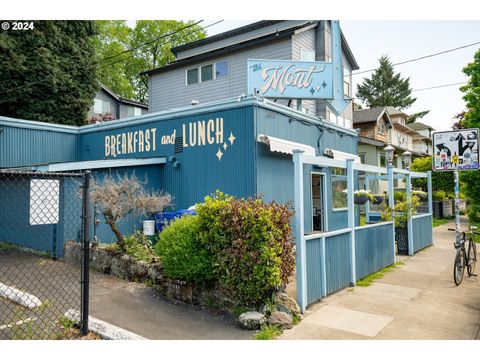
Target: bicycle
[(461, 259)]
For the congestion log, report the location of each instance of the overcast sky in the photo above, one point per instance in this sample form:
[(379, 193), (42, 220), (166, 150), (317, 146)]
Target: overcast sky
[(404, 40)]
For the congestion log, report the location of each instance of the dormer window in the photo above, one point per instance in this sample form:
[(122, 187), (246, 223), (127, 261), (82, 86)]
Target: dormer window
[(207, 72)]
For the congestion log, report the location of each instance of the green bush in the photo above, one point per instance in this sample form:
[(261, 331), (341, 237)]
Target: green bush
[(399, 196), (439, 195), (250, 243), (441, 180), (137, 245), (183, 255)]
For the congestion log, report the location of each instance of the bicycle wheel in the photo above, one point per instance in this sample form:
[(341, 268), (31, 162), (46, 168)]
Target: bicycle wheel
[(472, 258), (459, 266)]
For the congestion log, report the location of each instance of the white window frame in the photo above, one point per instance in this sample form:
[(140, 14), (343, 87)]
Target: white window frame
[(200, 72), (215, 68), (198, 76), (97, 103), (323, 182)]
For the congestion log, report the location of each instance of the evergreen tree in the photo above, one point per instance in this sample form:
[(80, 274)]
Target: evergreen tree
[(48, 73), (385, 88), (471, 119)]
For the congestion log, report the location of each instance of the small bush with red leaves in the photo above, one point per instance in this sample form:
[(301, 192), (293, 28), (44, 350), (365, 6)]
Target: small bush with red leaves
[(250, 244)]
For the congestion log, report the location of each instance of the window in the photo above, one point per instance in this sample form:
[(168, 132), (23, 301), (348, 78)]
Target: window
[(101, 106), (97, 106), (221, 69), (339, 187), (134, 111), (207, 72), (363, 160), (381, 127), (307, 55), (346, 89), (192, 76), (383, 160)]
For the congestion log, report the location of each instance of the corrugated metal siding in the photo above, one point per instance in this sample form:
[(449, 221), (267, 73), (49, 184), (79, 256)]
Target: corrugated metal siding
[(15, 216), (374, 249), (274, 171), (314, 270), (422, 232), (169, 90), (23, 146), (337, 250)]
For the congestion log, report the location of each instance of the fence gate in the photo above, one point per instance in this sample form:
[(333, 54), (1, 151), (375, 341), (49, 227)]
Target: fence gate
[(40, 294)]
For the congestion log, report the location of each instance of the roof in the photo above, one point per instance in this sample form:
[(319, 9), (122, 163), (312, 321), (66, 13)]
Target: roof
[(238, 46), (404, 129), (122, 100), (394, 111), (419, 126), (370, 115)]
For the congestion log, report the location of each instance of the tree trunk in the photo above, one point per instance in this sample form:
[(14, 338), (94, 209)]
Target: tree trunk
[(118, 234)]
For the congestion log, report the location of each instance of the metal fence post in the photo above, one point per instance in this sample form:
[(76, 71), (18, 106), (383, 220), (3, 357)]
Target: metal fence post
[(85, 253)]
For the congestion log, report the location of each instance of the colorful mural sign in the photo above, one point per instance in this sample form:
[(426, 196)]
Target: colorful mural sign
[(455, 150), (291, 79)]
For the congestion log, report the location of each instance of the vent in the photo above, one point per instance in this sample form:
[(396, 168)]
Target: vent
[(178, 144)]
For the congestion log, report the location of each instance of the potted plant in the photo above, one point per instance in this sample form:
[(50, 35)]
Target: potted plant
[(377, 199), (400, 214), (420, 194), (360, 197)]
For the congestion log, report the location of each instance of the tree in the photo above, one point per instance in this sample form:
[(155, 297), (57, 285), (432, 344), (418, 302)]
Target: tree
[(385, 88), (441, 180), (48, 73), (122, 73), (125, 196), (471, 119)]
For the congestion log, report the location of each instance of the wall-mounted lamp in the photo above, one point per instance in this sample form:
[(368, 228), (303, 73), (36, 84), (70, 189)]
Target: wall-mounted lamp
[(389, 150), (407, 159)]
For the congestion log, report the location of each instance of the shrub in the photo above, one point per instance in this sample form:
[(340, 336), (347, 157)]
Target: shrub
[(137, 245), (400, 213), (182, 254), (441, 180), (438, 195), (250, 243)]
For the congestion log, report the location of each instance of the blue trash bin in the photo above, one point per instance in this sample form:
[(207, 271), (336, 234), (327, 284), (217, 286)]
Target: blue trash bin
[(163, 218)]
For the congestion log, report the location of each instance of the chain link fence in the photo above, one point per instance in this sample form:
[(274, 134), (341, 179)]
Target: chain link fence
[(41, 296)]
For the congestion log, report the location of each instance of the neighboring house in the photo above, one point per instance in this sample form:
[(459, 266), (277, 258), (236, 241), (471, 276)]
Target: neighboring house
[(215, 68), (422, 142), (379, 127), (108, 106)]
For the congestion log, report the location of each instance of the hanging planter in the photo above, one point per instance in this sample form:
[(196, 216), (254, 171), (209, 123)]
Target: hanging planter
[(377, 199), (360, 197)]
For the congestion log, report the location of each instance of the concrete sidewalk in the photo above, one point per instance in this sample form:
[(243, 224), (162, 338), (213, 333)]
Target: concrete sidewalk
[(418, 300), (139, 309)]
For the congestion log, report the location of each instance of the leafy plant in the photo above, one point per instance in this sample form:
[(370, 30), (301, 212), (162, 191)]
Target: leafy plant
[(268, 332), (183, 255), (250, 243), (438, 195), (401, 212)]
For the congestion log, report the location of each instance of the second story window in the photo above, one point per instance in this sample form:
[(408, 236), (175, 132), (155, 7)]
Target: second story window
[(192, 76), (101, 106), (307, 55), (134, 111), (216, 70), (207, 72)]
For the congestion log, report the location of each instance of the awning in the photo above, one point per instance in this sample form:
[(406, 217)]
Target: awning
[(340, 155), (284, 146), (99, 164)]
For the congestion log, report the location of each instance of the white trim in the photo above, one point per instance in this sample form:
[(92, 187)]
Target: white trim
[(327, 234), (323, 197), (419, 216), (99, 164), (380, 223)]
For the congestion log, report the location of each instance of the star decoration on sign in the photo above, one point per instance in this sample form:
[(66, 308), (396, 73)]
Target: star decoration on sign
[(324, 84), (225, 145), (231, 138), (219, 154), (312, 90)]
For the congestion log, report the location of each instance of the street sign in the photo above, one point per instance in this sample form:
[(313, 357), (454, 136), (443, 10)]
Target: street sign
[(455, 150)]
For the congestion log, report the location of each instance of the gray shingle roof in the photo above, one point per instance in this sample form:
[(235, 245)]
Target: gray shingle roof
[(367, 115), (419, 126)]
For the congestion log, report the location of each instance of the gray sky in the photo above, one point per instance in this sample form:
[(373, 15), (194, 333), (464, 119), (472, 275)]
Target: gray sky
[(403, 40)]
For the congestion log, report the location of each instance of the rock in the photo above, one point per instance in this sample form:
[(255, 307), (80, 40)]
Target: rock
[(72, 252), (251, 320), (280, 319), (284, 309), (284, 299), (264, 310), (155, 273), (121, 266), (101, 260), (138, 270)]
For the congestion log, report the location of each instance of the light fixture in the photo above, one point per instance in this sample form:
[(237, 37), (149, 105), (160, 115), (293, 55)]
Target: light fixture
[(389, 150), (407, 159)]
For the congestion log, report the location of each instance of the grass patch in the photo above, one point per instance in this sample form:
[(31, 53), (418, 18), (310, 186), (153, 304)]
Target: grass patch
[(368, 280), (438, 222), (7, 246), (295, 319), (268, 332), (66, 323)]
